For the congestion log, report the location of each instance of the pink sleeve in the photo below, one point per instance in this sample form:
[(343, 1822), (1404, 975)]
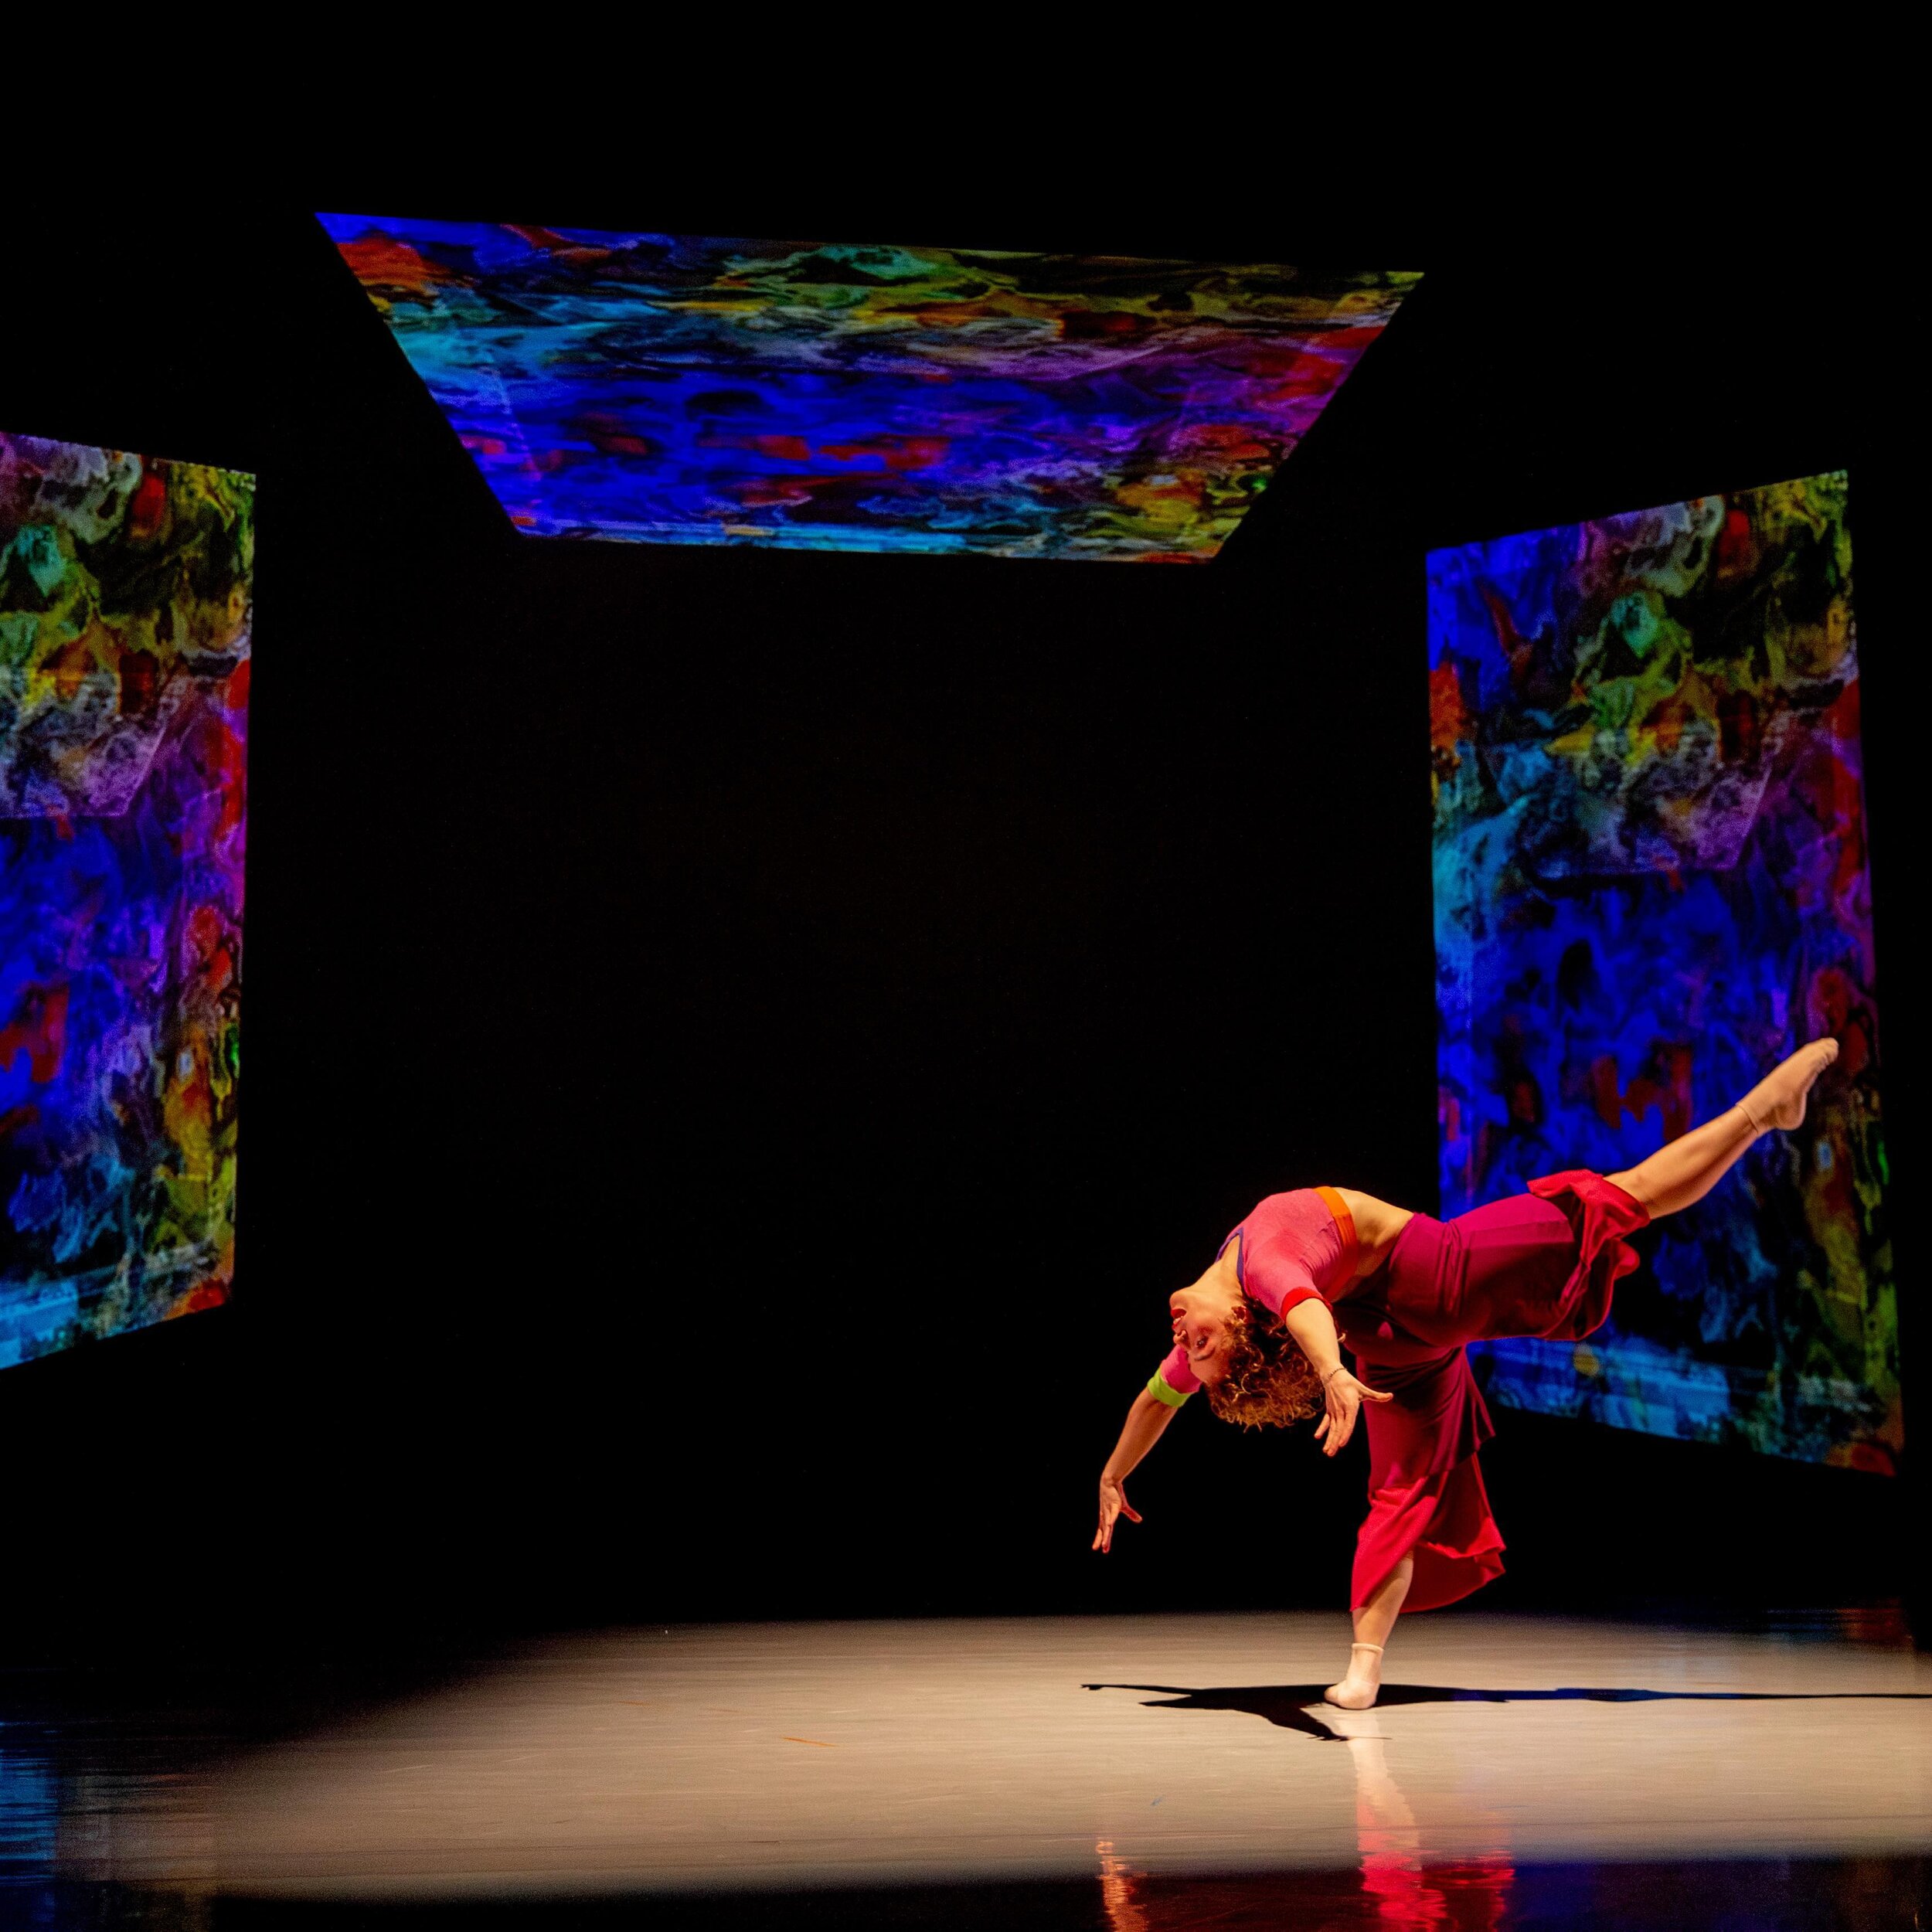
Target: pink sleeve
[(1177, 1375), (1280, 1285)]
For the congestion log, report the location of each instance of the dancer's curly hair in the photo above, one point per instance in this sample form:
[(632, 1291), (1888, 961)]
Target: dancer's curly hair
[(1269, 1382)]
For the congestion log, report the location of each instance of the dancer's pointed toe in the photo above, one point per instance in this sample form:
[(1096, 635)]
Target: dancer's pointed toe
[(1779, 1100)]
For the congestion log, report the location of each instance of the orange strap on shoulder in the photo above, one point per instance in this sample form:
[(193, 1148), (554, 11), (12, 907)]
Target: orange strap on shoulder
[(1344, 1227)]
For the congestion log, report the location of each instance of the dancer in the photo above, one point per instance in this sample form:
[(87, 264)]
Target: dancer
[(1309, 1272)]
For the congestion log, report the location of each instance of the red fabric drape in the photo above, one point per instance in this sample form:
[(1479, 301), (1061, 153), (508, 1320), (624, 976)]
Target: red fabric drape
[(1541, 1264)]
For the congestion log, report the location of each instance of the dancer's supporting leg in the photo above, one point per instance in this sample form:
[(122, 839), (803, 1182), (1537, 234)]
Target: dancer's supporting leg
[(1692, 1165), (1373, 1621)]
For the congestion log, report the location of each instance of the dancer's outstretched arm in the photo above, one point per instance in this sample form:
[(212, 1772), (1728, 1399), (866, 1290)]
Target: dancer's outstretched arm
[(1145, 1421), (1313, 1328)]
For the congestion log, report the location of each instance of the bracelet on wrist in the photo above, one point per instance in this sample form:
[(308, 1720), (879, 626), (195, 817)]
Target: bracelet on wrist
[(1333, 1373)]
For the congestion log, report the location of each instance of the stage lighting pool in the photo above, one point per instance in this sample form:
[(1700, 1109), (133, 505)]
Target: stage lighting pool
[(1650, 884), (677, 388), (125, 606)]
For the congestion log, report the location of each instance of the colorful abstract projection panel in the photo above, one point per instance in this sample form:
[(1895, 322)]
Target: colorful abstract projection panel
[(125, 611), (672, 389), (1650, 883)]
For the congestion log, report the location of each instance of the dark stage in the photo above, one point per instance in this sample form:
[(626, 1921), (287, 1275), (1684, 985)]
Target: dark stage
[(740, 1045)]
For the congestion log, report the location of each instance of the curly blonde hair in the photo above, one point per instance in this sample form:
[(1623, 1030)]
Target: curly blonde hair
[(1269, 1382)]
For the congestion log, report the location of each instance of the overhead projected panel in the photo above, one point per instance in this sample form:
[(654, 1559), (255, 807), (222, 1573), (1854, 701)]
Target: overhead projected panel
[(678, 389), (1650, 884), (124, 623)]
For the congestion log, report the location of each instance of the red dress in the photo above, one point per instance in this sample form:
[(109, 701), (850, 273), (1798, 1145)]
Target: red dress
[(1542, 1264)]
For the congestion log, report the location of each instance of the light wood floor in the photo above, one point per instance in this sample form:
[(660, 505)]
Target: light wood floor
[(834, 1754)]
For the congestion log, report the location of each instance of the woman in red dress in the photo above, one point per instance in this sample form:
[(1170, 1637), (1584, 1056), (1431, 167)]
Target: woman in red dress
[(1310, 1272)]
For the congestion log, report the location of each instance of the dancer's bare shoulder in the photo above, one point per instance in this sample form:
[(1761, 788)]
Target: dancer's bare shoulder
[(1376, 1225)]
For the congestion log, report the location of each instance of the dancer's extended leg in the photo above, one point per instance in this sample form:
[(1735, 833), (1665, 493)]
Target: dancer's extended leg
[(1692, 1165), (1373, 1621)]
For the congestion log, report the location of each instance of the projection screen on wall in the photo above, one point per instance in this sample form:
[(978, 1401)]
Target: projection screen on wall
[(1650, 883), (124, 620)]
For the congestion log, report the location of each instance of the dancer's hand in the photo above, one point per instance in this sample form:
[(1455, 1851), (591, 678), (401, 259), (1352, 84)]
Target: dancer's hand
[(1114, 1503), (1345, 1396)]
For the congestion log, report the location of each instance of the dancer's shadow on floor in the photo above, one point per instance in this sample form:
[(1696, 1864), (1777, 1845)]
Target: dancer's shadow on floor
[(1285, 1704)]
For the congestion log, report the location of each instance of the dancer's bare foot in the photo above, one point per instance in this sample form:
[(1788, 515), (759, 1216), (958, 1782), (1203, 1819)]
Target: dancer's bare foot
[(1778, 1099), (1363, 1684)]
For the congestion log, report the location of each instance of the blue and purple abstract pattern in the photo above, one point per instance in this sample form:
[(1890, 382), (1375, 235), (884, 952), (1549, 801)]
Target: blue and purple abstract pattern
[(124, 622), (1650, 883), (674, 389)]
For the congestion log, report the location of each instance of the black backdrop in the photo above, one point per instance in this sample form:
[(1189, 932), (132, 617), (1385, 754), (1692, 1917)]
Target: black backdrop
[(739, 1045)]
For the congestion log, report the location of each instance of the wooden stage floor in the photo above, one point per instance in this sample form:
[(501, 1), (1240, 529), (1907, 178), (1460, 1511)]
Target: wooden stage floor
[(1127, 1752)]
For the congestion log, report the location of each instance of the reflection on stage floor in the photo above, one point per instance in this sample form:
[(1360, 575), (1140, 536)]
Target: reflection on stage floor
[(1132, 1774)]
